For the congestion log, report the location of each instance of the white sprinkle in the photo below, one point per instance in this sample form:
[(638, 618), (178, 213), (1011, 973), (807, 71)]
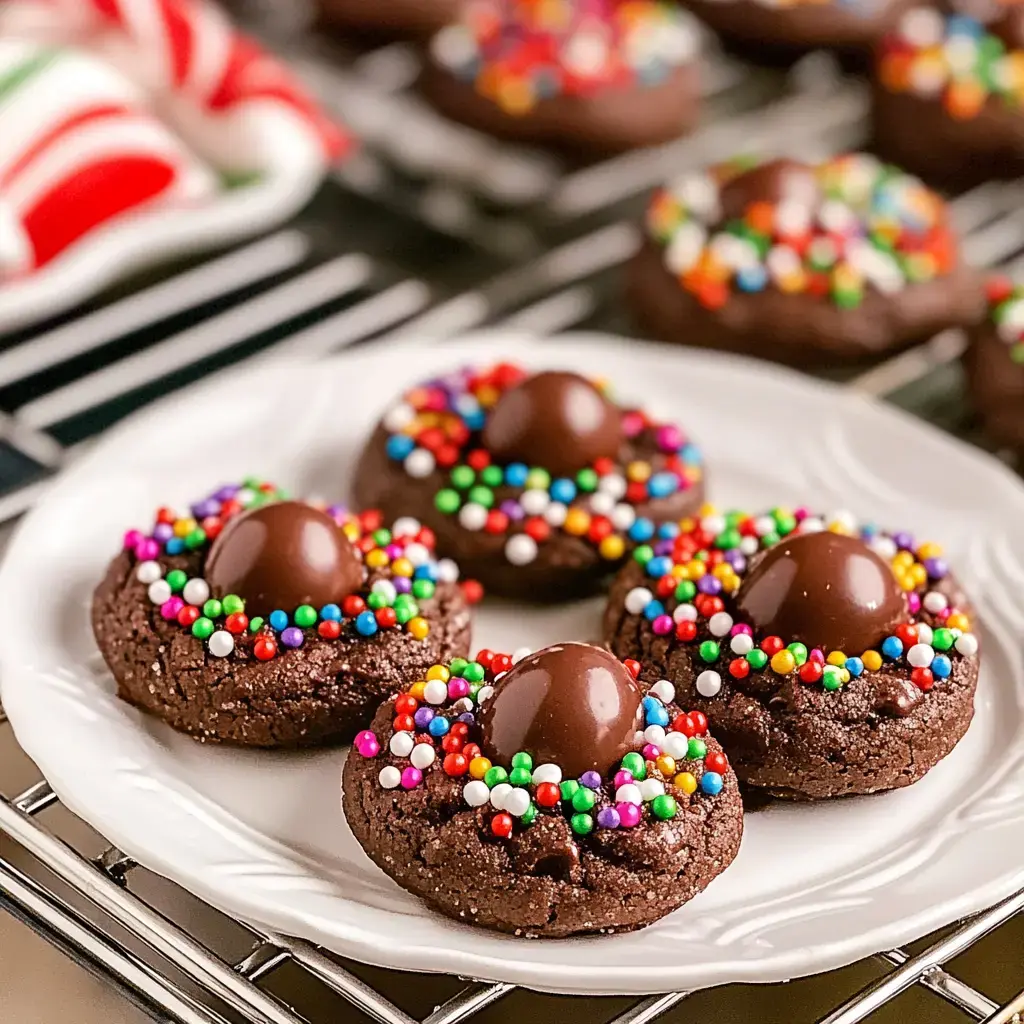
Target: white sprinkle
[(628, 794), (159, 592), (685, 613), (196, 592), (517, 803), (547, 773), (741, 644), (664, 691), (419, 463), (812, 524), (472, 516), (406, 526), (401, 744), (149, 572), (676, 745), (720, 623), (435, 692), (398, 417), (519, 653), (884, 547), (534, 501), (476, 793), (844, 518), (966, 644), (418, 554), (555, 513), (521, 549), (602, 504), (654, 734), (447, 571), (935, 602), (749, 546), (698, 192), (764, 525), (422, 755), (499, 795), (386, 589), (389, 777), (709, 683), (713, 525), (792, 217), (485, 693), (924, 633), (613, 484), (921, 27), (920, 655), (623, 516), (637, 600), (650, 789), (221, 643)]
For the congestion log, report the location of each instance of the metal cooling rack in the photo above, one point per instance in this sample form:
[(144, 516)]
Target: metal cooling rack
[(431, 230)]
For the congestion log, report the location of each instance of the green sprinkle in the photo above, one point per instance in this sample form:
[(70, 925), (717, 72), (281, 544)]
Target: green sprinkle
[(474, 672), (568, 789), (799, 652), (664, 807), (696, 748), (583, 799), (686, 591), (643, 554), (382, 538), (376, 601), (457, 666), (709, 651), (213, 609), (757, 659), (529, 815), (423, 589), (404, 612), (195, 538), (586, 480), (582, 824), (493, 476), (447, 501), (202, 628), (635, 765), (728, 539), (521, 777), (833, 677), (482, 496), (305, 616), (785, 523), (255, 624), (494, 776), (538, 479), (462, 477), (769, 539), (232, 604), (943, 639), (522, 760), (176, 580)]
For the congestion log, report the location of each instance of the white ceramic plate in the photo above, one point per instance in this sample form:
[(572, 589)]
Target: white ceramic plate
[(261, 835)]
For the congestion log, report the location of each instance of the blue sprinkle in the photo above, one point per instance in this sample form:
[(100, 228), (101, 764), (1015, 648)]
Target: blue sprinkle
[(752, 279), (892, 647), (854, 666), (366, 624), (563, 490), (650, 702), (959, 25), (661, 485), (659, 566), (653, 610), (641, 530), (438, 726), (691, 454), (427, 571), (941, 666), (475, 420), (331, 613), (668, 531), (175, 546), (656, 716), (399, 446), (516, 474), (278, 620), (711, 783)]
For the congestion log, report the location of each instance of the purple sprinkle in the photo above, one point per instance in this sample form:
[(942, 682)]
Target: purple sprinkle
[(709, 584), (292, 637), (133, 537), (423, 717), (608, 817), (623, 778), (402, 584), (147, 549), (936, 568), (663, 547), (913, 602), (468, 717), (163, 532), (592, 780), (335, 511), (903, 540), (736, 559), (202, 509), (226, 493), (512, 509)]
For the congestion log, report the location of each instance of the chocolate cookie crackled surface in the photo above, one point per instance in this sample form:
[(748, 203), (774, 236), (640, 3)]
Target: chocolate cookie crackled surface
[(261, 621), (947, 94), (543, 794), (588, 77), (536, 483), (830, 659), (809, 265)]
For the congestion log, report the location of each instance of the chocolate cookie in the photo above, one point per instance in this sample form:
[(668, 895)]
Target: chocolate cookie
[(265, 622), (830, 661), (994, 365), (543, 798), (807, 265), (589, 80), (388, 18), (538, 485), (777, 33), (947, 96)]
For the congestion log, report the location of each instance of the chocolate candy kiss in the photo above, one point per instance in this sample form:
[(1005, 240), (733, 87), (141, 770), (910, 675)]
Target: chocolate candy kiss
[(558, 421), (574, 705), (824, 589), (283, 555), (772, 182)]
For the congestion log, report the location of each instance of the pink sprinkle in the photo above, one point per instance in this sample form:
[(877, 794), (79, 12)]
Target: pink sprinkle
[(364, 736), (629, 814), (170, 608), (632, 424), (651, 752), (668, 438), (663, 625), (741, 627), (817, 655), (411, 777), (368, 748), (147, 549), (623, 778), (801, 514), (944, 614), (393, 551), (132, 539), (457, 688), (914, 602)]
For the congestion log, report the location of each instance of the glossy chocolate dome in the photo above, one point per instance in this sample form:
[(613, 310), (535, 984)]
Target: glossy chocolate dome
[(558, 421), (574, 705), (825, 590), (773, 182), (283, 555)]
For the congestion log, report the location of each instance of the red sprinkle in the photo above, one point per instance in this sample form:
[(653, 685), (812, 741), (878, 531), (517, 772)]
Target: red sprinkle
[(501, 825), (455, 764), (922, 678), (188, 615), (265, 648), (404, 723), (632, 666), (548, 794), (236, 622), (700, 722), (811, 672), (716, 763), (406, 704), (686, 630)]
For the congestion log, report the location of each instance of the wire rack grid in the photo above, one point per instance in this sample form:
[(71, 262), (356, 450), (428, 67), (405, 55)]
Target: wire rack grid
[(441, 231)]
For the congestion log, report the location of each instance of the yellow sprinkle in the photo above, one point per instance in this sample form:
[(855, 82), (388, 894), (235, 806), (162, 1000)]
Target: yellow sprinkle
[(479, 767), (918, 574), (577, 522), (783, 662), (416, 690), (402, 567), (351, 530), (183, 527), (722, 571), (666, 765), (418, 627), (696, 569), (377, 558), (612, 548), (929, 550), (638, 472), (678, 572), (872, 660), (903, 559), (438, 672), (487, 395), (906, 581), (687, 525), (836, 658), (959, 621), (706, 510), (686, 782)]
